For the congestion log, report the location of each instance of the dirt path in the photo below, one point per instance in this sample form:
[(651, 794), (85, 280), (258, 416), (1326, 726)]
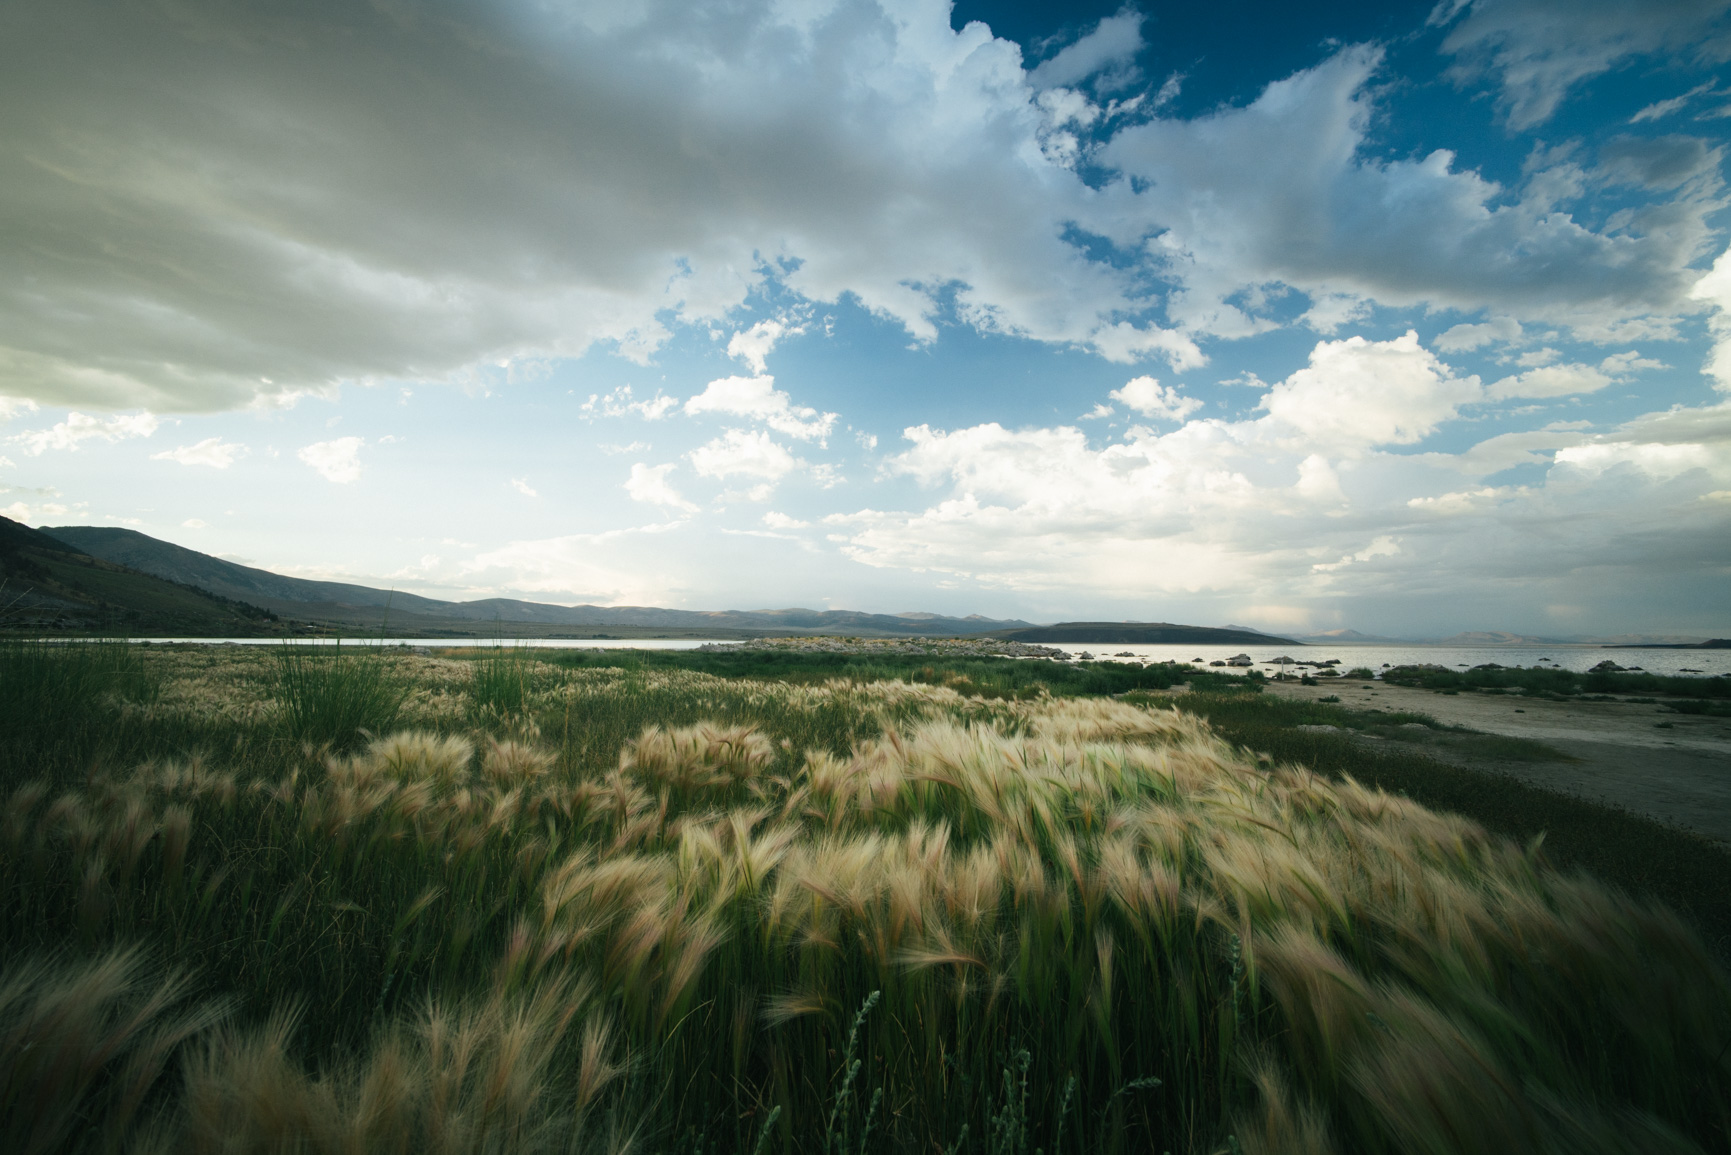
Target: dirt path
[(1678, 773)]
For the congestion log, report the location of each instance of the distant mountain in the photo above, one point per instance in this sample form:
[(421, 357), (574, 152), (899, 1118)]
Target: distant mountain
[(1708, 644), (1143, 633), (365, 606), (1497, 638), (49, 585), (1684, 641), (164, 559), (1346, 637)]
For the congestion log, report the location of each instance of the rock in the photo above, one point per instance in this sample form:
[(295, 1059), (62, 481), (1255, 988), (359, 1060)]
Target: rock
[(1241, 660), (1216, 663), (1607, 667), (1123, 654), (1319, 729)]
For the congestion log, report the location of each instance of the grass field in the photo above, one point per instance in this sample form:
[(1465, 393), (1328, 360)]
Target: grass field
[(287, 901)]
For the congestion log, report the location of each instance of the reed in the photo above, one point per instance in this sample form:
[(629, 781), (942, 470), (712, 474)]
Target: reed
[(662, 905)]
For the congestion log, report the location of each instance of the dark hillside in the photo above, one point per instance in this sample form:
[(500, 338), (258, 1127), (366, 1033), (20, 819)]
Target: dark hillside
[(51, 585), (1142, 633), (364, 607), (176, 563)]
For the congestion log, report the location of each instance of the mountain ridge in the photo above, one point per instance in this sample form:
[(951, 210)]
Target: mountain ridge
[(353, 604), (1143, 633), (49, 584)]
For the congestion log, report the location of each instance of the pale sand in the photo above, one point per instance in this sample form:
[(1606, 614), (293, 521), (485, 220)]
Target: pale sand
[(1680, 775)]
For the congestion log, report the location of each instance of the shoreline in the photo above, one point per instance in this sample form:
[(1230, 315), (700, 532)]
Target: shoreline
[(1640, 757)]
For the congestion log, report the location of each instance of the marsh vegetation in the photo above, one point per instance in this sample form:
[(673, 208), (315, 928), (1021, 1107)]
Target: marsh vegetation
[(506, 905)]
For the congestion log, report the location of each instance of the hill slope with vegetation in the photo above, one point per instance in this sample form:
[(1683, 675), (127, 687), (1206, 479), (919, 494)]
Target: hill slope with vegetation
[(47, 585)]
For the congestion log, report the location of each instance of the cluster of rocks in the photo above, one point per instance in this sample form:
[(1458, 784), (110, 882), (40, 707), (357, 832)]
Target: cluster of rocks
[(924, 647)]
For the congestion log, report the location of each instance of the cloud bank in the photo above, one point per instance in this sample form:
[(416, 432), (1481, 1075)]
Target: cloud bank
[(1318, 500), (203, 205)]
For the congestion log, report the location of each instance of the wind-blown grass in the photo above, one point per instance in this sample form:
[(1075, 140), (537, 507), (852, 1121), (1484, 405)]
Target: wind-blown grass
[(662, 905), (1640, 855)]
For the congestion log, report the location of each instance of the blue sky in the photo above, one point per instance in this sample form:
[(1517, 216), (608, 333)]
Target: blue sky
[(1407, 318)]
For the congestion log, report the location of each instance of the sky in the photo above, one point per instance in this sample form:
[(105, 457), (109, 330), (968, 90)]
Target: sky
[(1407, 318)]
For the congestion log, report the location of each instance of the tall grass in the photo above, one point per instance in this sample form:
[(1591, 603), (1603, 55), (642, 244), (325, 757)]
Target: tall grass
[(55, 687), (64, 703), (501, 686), (334, 697), (891, 916)]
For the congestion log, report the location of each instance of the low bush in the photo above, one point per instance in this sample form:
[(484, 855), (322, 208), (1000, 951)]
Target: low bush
[(1534, 680), (1719, 709)]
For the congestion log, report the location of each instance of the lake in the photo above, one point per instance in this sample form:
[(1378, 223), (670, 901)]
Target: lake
[(1567, 657)]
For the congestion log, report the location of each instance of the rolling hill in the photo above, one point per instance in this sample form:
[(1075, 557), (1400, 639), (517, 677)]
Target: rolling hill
[(1143, 633), (50, 586), (365, 607)]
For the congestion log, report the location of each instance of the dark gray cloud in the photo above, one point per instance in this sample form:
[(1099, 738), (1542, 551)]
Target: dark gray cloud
[(205, 203), (202, 202), (1657, 163)]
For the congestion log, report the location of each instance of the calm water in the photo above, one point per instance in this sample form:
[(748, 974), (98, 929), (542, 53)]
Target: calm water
[(456, 643), (1562, 657)]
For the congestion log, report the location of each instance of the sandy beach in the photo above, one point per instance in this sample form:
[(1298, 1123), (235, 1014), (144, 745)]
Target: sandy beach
[(1639, 756)]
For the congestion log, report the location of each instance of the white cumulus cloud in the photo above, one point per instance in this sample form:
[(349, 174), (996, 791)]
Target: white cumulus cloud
[(754, 345), (620, 403), (1715, 289), (212, 451), (757, 397), (338, 460), (1466, 337), (1282, 192), (1357, 393), (1151, 399), (1317, 498), (82, 427), (648, 483), (743, 453), (1549, 381)]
